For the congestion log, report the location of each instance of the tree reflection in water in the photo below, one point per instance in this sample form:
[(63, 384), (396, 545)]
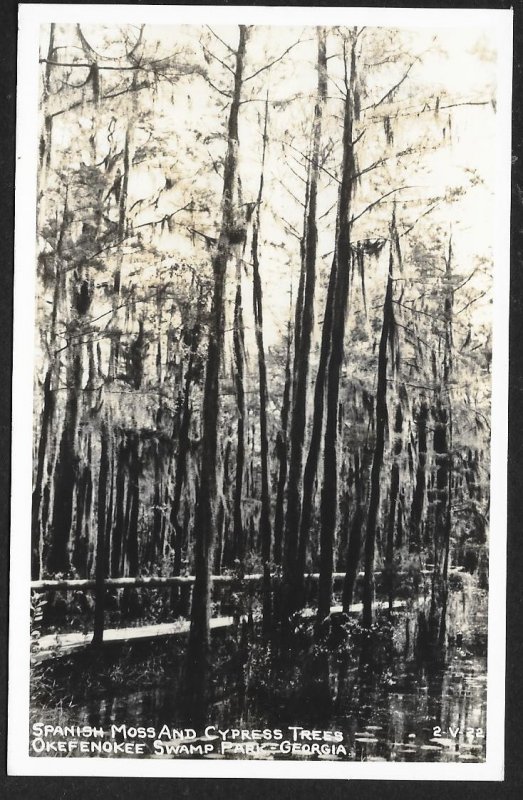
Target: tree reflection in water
[(385, 690)]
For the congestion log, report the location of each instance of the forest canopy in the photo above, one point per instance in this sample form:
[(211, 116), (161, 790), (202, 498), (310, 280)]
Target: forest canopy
[(264, 268)]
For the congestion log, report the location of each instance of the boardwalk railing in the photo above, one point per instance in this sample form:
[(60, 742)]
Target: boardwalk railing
[(141, 582), (147, 582), (150, 582)]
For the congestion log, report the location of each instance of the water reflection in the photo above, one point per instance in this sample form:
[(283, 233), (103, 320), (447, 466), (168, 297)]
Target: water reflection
[(389, 699)]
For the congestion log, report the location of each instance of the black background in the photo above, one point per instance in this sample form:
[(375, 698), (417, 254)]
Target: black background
[(208, 789)]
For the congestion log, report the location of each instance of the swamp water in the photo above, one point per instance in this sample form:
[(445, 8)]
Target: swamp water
[(383, 697)]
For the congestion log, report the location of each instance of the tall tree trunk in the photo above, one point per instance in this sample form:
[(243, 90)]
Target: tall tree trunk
[(65, 471), (47, 129), (120, 233), (205, 528), (223, 550), (155, 543), (119, 520), (346, 483), (443, 456), (282, 455), (101, 538), (300, 294), (110, 505), (394, 490), (83, 508), (354, 546), (183, 449), (49, 404), (303, 343), (311, 465), (379, 446), (445, 568), (329, 495), (239, 360), (418, 497), (36, 500), (133, 490), (257, 300)]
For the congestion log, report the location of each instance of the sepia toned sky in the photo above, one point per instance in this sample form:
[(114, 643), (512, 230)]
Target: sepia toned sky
[(458, 65)]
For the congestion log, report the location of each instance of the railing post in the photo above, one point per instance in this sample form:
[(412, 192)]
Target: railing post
[(185, 599), (99, 612), (99, 590)]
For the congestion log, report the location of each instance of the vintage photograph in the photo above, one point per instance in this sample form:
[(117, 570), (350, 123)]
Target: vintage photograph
[(264, 275)]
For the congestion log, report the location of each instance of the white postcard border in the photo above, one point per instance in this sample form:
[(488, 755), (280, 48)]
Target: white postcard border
[(19, 762)]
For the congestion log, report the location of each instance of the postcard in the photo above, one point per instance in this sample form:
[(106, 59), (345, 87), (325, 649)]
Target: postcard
[(260, 392)]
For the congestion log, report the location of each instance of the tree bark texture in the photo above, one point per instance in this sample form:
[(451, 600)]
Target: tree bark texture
[(205, 528), (379, 447), (342, 254), (305, 328)]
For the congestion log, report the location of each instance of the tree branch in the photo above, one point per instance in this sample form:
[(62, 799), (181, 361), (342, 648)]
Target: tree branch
[(428, 211), (79, 103), (148, 67), (457, 288), (218, 59), (393, 89), (474, 300), (228, 47), (308, 158), (206, 78), (275, 61), (291, 229), (291, 193), (89, 257), (427, 108), (379, 200)]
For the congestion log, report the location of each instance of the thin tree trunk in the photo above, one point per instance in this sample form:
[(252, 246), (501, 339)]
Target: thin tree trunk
[(81, 543), (418, 498), (441, 455), (303, 335), (443, 450), (36, 500), (205, 528), (155, 544), (227, 557), (101, 539), (49, 405), (47, 130), (282, 454), (394, 490), (119, 521), (311, 465), (257, 299), (445, 571), (65, 472), (300, 294), (222, 554), (354, 546), (401, 517), (133, 490), (110, 507), (239, 360), (329, 495), (120, 233), (344, 512), (379, 447), (183, 449)]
